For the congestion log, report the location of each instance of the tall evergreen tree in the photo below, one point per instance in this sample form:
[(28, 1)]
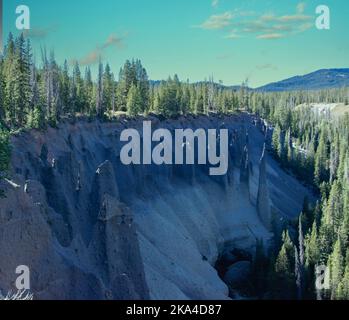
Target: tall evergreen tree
[(99, 94), (336, 267), (65, 88), (108, 87), (89, 92), (134, 101)]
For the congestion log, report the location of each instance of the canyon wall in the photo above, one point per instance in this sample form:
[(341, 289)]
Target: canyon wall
[(89, 227)]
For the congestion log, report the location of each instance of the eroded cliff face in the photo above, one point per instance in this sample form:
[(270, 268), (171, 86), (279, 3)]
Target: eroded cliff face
[(90, 228)]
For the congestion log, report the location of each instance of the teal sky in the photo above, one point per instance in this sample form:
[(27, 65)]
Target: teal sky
[(232, 40)]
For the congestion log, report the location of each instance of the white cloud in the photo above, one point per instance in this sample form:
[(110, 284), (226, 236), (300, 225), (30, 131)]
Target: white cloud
[(217, 21), (264, 25), (270, 36), (294, 18)]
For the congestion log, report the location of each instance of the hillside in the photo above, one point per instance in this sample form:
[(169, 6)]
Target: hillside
[(321, 79)]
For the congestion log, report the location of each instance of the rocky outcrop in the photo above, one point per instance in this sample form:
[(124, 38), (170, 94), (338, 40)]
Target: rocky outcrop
[(90, 228)]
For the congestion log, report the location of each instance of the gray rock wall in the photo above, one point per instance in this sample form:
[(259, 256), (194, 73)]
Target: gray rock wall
[(90, 228)]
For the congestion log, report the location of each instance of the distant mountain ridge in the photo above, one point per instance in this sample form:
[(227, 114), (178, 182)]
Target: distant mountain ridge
[(321, 79)]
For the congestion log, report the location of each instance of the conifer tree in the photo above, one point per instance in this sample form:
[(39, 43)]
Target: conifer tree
[(312, 254), (143, 85), (343, 290), (79, 93), (21, 84), (134, 101), (169, 102), (199, 104), (89, 92), (65, 88), (321, 160), (300, 261), (284, 269), (99, 94), (336, 267), (9, 80), (276, 141), (108, 87)]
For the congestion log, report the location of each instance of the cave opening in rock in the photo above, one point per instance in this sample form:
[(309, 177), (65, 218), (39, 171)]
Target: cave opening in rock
[(234, 267)]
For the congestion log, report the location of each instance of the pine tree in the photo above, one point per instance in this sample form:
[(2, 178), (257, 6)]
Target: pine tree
[(53, 90), (108, 87), (336, 267), (127, 77), (169, 100), (89, 92), (78, 90), (321, 162), (65, 88), (185, 100), (288, 147), (343, 291), (134, 101), (21, 84), (333, 213), (300, 261), (276, 141), (143, 85), (298, 275), (131, 74), (36, 119), (301, 241), (284, 275), (334, 158), (35, 92), (284, 269), (199, 104), (9, 80), (99, 95), (312, 252), (283, 265)]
